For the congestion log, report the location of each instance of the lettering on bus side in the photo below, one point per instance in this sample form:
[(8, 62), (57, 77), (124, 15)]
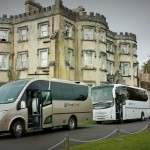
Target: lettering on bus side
[(71, 105)]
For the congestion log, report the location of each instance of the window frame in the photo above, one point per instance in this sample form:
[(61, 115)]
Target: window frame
[(111, 67), (20, 60), (70, 56), (7, 35), (103, 61), (68, 31), (40, 25), (39, 57), (135, 50), (125, 72), (135, 68), (124, 48), (5, 62), (88, 36), (103, 35), (86, 58), (110, 47), (21, 35)]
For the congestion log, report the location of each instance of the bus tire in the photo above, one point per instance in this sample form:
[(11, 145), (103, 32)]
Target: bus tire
[(142, 116), (121, 121), (17, 129), (72, 123), (99, 122)]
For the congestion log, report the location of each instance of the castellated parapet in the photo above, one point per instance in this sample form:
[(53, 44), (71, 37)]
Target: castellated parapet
[(91, 17), (125, 36), (58, 8), (6, 20), (121, 36), (77, 14)]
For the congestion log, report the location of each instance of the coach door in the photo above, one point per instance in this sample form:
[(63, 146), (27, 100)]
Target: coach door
[(120, 101), (34, 108), (46, 102)]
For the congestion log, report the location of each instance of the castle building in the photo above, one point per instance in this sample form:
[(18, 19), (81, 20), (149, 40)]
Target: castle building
[(57, 42)]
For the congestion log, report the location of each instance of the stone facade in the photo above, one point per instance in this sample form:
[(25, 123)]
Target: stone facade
[(56, 42)]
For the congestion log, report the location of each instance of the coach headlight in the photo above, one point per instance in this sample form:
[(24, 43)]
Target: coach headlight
[(2, 114)]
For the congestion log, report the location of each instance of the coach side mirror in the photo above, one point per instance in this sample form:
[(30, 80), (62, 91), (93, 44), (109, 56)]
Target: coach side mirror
[(23, 105)]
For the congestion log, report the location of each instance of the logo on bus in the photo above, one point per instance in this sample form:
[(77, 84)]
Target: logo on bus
[(71, 105)]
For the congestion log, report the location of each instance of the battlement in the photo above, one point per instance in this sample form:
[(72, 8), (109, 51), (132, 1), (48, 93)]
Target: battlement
[(121, 35), (6, 20), (125, 36), (111, 34), (78, 14), (34, 14), (91, 17), (58, 8)]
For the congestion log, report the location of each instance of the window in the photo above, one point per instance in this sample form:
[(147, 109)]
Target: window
[(103, 61), (125, 69), (46, 98), (43, 58), (4, 59), (110, 67), (135, 70), (68, 31), (23, 34), (88, 33), (4, 34), (124, 48), (88, 58), (22, 60), (67, 91), (137, 94), (43, 29), (103, 35), (134, 50), (70, 55), (102, 94), (110, 47)]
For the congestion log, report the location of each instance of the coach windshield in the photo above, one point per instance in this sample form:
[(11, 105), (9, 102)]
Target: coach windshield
[(10, 91), (102, 96)]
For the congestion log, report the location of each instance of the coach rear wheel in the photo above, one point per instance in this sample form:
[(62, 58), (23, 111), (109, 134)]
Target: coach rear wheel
[(72, 123)]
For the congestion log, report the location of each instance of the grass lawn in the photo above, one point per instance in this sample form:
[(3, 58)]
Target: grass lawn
[(138, 141)]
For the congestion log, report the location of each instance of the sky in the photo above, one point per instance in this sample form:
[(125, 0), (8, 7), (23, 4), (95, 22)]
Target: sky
[(132, 16)]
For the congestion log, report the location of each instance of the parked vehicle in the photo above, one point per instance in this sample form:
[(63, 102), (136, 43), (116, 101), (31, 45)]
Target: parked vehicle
[(119, 102), (34, 104)]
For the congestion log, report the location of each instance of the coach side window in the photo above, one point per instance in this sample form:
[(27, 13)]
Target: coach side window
[(137, 94), (80, 92)]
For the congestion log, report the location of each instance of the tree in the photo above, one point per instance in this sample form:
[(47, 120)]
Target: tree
[(13, 73), (146, 66)]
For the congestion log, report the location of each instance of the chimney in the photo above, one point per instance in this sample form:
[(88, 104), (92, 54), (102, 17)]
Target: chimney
[(31, 5)]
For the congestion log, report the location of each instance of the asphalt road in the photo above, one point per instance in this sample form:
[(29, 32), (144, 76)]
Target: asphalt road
[(45, 141)]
